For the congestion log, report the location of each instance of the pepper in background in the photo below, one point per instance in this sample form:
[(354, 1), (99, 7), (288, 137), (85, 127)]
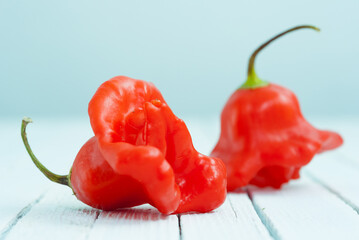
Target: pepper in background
[(141, 153), (264, 138)]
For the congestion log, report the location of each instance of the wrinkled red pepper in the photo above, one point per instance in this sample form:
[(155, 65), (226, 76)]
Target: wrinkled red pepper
[(265, 139), (141, 153)]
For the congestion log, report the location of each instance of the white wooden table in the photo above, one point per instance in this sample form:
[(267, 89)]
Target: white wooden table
[(323, 204)]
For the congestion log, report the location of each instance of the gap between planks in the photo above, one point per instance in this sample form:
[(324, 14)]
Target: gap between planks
[(19, 216), (57, 215), (268, 224), (235, 219), (274, 233), (339, 174), (264, 219), (304, 210), (179, 226), (327, 187), (97, 214)]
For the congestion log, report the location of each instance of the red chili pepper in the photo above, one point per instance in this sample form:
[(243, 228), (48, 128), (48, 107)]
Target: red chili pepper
[(141, 153), (265, 139)]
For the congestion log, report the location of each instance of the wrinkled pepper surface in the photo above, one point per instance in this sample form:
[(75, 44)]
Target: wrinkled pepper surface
[(142, 153), (264, 138)]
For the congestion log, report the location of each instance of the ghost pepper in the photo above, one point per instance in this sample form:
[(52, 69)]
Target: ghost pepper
[(265, 140), (141, 153)]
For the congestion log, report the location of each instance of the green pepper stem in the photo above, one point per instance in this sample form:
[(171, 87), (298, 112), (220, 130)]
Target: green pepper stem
[(61, 179), (252, 80)]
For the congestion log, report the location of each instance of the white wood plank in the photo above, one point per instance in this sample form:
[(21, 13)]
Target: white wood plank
[(16, 195), (17, 185), (305, 210), (235, 219), (142, 222), (339, 175), (21, 183), (58, 215), (302, 210)]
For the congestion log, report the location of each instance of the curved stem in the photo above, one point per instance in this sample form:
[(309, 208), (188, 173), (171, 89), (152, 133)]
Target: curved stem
[(254, 54), (61, 179)]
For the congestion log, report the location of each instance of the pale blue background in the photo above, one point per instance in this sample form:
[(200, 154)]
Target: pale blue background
[(54, 54)]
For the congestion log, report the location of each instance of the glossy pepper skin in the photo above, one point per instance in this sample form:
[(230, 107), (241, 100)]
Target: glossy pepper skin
[(146, 154), (264, 138), (141, 153)]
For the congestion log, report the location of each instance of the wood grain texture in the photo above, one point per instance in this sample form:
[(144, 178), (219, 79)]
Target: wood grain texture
[(20, 182), (319, 206), (305, 210), (17, 181), (339, 175), (142, 222), (235, 219), (57, 215)]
